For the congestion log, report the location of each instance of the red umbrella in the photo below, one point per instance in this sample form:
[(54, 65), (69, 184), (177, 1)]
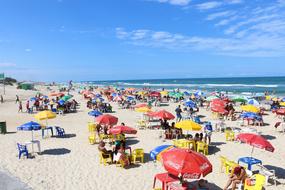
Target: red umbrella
[(188, 163), (141, 105), (218, 103), (255, 141), (218, 109), (107, 119), (163, 114), (122, 129), (155, 94), (280, 111)]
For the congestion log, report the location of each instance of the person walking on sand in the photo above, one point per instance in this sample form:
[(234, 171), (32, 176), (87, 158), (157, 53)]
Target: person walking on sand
[(1, 99), (17, 99), (20, 107)]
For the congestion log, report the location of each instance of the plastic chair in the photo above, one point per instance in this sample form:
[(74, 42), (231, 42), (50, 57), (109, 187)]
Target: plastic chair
[(22, 150), (230, 135), (105, 158), (259, 182), (60, 131), (120, 163), (230, 166), (91, 127), (223, 163), (202, 147), (92, 139), (138, 154)]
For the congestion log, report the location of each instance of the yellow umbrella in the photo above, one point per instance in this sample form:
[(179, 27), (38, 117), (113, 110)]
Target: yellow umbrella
[(275, 99), (142, 93), (164, 93), (250, 108), (143, 109), (44, 115), (188, 125), (282, 104), (268, 97)]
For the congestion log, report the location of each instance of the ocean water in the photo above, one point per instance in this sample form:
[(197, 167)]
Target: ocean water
[(245, 85)]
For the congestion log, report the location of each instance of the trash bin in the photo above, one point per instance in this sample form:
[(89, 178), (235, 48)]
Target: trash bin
[(3, 129)]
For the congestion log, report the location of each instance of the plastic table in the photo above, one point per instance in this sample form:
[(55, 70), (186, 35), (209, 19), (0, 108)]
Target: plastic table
[(249, 161)]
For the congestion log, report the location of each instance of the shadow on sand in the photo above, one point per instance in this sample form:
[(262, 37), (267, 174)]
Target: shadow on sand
[(56, 151)]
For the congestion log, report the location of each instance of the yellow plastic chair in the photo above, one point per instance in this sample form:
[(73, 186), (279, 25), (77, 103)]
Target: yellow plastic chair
[(259, 182), (202, 147), (230, 135), (141, 124), (91, 127), (230, 166), (120, 163), (119, 137), (138, 154), (103, 136), (107, 159), (223, 163), (92, 139)]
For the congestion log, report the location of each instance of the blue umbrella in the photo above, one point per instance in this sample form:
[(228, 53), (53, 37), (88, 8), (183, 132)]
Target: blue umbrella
[(94, 113), (114, 94), (250, 115), (130, 98), (61, 102), (30, 126), (253, 102), (33, 99), (98, 95), (190, 103), (283, 100), (158, 150), (186, 93)]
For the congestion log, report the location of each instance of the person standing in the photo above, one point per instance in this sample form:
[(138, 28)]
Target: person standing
[(1, 99), (17, 99), (20, 107), (178, 111)]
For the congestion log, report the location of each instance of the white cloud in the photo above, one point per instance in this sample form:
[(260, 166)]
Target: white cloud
[(7, 65), (209, 5), (261, 45), (175, 2), (234, 1), (219, 15), (28, 50)]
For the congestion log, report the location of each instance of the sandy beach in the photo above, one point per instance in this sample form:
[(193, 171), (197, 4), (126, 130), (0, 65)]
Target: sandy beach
[(72, 163)]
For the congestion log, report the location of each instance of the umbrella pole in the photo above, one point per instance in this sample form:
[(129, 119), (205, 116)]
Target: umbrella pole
[(251, 151), (33, 141)]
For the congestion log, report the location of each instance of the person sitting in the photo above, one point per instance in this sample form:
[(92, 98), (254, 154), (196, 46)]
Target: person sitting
[(106, 153), (197, 137), (238, 176), (201, 137), (122, 156), (202, 185), (168, 133)]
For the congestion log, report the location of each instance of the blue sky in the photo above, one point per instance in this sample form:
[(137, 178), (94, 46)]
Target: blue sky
[(58, 40)]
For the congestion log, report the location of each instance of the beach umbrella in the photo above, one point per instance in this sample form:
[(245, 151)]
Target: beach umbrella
[(280, 111), (250, 108), (95, 113), (66, 97), (253, 102), (143, 109), (255, 141), (219, 109), (155, 154), (188, 125), (107, 119), (33, 99), (130, 98), (190, 104), (141, 105), (122, 130), (186, 93), (239, 99), (163, 114), (155, 94), (118, 98), (142, 93), (178, 95), (30, 126), (59, 94), (210, 98), (186, 163), (282, 104), (164, 93), (218, 103), (250, 115), (43, 115), (198, 93), (61, 102)]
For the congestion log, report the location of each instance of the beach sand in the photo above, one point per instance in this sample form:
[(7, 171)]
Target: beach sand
[(72, 163)]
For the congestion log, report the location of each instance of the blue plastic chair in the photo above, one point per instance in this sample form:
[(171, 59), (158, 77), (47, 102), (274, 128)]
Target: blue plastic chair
[(60, 131), (22, 150)]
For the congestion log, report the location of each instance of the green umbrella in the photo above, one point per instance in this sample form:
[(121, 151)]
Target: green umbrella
[(239, 99), (66, 97)]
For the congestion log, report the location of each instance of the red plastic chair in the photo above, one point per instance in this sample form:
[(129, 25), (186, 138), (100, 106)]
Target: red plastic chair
[(165, 178)]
